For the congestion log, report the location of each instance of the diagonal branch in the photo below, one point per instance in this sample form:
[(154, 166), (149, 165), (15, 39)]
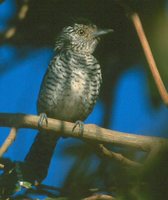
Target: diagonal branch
[(149, 57), (9, 140), (146, 48), (117, 156)]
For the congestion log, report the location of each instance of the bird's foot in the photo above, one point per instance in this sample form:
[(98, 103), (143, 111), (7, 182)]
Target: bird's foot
[(43, 117), (80, 124)]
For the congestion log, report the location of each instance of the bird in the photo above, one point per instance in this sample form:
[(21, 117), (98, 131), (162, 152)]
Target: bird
[(69, 89)]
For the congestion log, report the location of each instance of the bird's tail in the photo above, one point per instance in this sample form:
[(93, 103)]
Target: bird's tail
[(40, 154)]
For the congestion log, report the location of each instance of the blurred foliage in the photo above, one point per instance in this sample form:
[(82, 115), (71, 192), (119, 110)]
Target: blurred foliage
[(92, 174), (110, 177)]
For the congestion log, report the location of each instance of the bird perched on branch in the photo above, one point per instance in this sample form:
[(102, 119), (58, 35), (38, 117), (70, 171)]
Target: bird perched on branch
[(69, 89)]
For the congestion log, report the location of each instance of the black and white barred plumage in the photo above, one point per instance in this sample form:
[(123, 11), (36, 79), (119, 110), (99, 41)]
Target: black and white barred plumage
[(69, 89)]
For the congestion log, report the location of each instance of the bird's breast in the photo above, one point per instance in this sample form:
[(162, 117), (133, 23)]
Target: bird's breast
[(78, 82), (70, 89), (75, 98)]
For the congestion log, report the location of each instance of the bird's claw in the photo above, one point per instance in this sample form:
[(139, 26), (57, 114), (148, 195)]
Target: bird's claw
[(81, 127), (43, 117)]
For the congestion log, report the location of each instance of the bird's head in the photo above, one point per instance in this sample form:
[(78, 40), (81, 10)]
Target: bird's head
[(80, 38)]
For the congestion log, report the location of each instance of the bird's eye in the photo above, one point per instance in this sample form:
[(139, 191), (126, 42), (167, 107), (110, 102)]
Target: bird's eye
[(81, 32)]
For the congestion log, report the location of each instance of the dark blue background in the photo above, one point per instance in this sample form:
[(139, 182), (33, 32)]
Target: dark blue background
[(21, 72)]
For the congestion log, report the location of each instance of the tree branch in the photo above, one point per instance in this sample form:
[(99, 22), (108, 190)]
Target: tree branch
[(149, 57), (9, 140), (91, 132), (146, 48), (117, 156)]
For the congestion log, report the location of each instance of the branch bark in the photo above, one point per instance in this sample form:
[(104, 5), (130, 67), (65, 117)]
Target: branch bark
[(91, 132)]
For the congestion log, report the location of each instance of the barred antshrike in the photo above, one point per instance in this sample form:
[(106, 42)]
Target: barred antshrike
[(69, 89)]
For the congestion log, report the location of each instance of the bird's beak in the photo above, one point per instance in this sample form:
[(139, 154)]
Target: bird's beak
[(102, 32)]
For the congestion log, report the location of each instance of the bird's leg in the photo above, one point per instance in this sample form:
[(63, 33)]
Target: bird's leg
[(81, 127), (43, 117)]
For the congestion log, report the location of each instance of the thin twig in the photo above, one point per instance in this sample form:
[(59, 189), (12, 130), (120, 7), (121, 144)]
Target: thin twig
[(117, 156), (150, 59), (99, 197), (9, 140)]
